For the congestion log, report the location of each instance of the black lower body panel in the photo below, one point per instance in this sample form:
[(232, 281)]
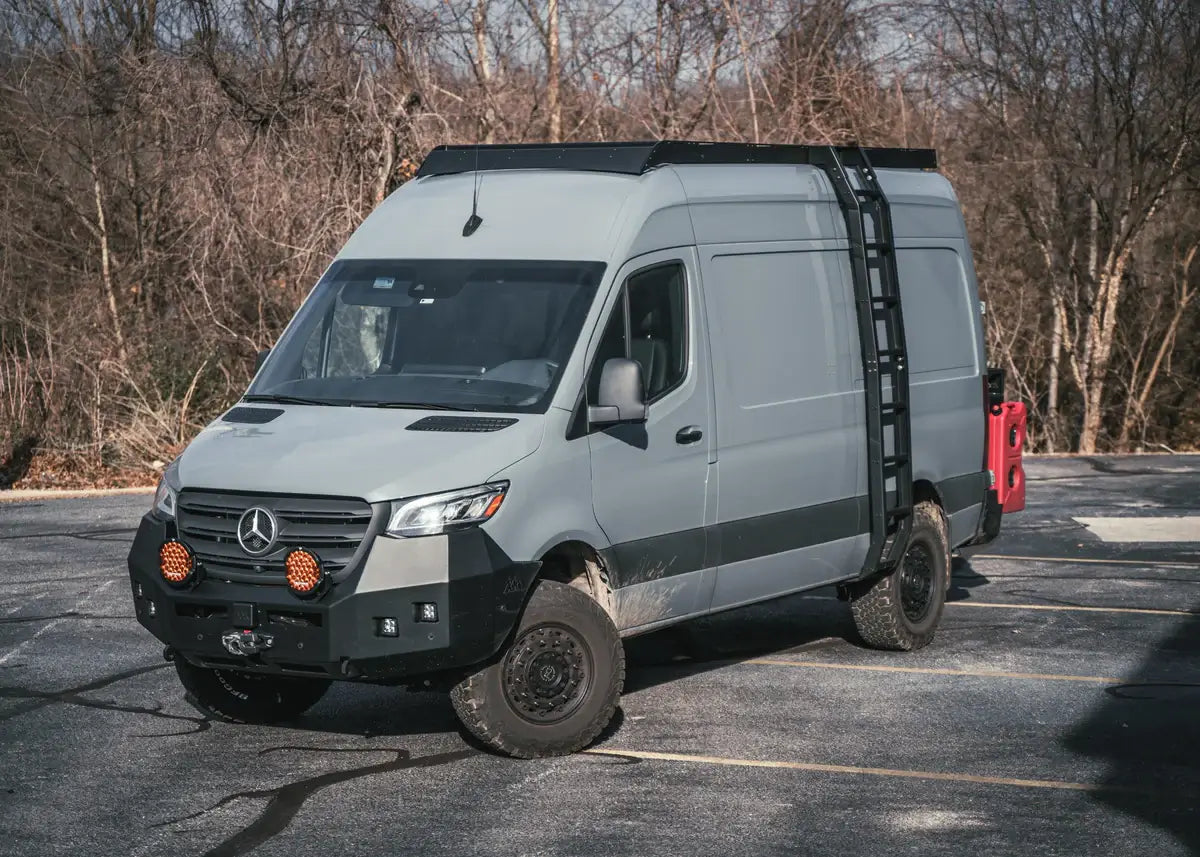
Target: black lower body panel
[(479, 597)]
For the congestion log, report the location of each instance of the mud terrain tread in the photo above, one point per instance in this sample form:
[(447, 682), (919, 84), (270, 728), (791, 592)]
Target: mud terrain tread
[(485, 716), (875, 605)]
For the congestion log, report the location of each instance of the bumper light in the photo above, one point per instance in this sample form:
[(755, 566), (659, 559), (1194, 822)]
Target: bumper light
[(176, 563), (304, 573)]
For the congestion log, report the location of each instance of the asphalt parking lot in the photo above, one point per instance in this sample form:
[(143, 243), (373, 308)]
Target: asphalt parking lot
[(1057, 712)]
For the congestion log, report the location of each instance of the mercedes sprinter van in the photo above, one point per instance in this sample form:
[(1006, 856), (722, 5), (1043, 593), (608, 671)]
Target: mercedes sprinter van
[(550, 396)]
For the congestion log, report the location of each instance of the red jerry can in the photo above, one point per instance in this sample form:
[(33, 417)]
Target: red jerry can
[(1006, 442)]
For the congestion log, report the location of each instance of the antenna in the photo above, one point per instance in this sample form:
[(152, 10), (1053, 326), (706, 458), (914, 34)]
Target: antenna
[(474, 221)]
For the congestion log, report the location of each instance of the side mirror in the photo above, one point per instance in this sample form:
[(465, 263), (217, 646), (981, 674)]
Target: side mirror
[(260, 360), (620, 399)]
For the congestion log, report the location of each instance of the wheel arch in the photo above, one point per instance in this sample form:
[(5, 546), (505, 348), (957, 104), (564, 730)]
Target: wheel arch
[(577, 563), (926, 489)]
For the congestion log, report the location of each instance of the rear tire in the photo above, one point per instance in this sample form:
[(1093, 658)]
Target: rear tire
[(556, 687), (900, 610), (243, 697)]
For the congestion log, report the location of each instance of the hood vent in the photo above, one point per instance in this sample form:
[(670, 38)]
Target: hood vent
[(469, 424), (251, 416)]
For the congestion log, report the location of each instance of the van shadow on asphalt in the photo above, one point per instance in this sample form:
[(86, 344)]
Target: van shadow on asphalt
[(814, 620)]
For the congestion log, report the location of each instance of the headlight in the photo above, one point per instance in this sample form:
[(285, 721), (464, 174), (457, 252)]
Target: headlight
[(164, 499), (439, 513), (165, 495)]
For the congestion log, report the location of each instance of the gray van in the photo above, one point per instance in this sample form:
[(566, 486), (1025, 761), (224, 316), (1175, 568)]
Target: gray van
[(547, 397)]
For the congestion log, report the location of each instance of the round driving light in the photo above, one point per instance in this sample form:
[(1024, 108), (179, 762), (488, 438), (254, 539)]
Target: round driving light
[(176, 562), (304, 574)]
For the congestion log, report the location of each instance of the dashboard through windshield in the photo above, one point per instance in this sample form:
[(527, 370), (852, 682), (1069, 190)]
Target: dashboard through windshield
[(440, 334)]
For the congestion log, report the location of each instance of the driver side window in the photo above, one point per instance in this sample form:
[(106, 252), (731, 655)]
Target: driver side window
[(649, 325)]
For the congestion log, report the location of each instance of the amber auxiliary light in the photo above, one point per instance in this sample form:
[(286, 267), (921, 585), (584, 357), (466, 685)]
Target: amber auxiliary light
[(175, 562), (304, 572)]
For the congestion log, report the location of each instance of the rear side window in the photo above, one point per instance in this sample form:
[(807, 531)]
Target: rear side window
[(649, 325), (939, 323)]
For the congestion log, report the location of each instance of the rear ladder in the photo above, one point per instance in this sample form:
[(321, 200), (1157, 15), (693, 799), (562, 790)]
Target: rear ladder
[(884, 354)]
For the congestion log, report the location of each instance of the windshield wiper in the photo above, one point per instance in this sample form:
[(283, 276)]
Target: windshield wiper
[(416, 406), (287, 400)]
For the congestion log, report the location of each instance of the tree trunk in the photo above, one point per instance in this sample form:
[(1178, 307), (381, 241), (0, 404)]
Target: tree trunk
[(1104, 325), (1056, 340), (553, 107), (106, 277), (483, 72)]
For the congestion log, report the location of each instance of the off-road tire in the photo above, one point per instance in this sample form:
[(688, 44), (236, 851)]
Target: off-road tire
[(558, 618), (242, 697), (878, 604)]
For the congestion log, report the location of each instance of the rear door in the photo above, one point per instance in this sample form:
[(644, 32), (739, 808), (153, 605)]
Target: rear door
[(650, 482)]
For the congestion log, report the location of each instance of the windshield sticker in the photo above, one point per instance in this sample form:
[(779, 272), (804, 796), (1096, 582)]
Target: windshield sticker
[(384, 282)]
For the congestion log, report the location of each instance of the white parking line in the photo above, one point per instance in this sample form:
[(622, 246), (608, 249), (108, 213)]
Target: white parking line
[(887, 668), (1085, 560), (1068, 608), (75, 609), (25, 604), (1143, 530), (852, 769)]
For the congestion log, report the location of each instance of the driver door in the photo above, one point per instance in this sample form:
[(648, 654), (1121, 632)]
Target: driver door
[(651, 481)]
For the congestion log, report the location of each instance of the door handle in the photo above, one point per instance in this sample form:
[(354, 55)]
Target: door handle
[(688, 434)]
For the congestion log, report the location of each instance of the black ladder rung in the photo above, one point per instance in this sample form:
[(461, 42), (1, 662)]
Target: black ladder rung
[(893, 407), (885, 300), (900, 511), (868, 193), (890, 352), (881, 246), (895, 460)]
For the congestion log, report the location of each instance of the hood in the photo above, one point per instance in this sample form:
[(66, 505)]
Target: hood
[(352, 452)]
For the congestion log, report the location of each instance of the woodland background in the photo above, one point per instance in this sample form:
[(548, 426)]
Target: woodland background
[(175, 174)]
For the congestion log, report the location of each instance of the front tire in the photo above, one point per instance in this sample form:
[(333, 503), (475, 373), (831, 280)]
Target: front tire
[(900, 610), (242, 697), (555, 687)]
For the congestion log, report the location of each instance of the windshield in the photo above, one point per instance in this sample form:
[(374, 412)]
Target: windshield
[(442, 334)]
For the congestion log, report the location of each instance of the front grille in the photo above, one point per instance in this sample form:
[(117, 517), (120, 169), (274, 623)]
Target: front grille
[(331, 527)]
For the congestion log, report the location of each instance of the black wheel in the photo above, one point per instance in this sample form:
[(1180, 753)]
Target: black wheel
[(901, 610), (241, 697), (555, 687)]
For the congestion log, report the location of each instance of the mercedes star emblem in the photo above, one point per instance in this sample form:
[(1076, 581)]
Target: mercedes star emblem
[(257, 530)]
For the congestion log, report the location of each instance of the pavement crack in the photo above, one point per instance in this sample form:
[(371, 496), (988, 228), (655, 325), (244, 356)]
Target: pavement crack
[(70, 614), (286, 800), (85, 535), (71, 696)]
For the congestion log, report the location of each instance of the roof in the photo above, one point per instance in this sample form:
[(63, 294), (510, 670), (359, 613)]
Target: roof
[(634, 199)]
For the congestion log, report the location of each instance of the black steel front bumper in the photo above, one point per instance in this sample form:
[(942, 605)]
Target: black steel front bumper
[(479, 596)]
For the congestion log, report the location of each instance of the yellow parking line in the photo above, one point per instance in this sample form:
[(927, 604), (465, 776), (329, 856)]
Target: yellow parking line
[(1152, 611), (850, 769), (1086, 561), (781, 662)]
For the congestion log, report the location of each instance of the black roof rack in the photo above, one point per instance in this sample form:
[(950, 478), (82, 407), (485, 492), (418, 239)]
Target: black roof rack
[(637, 158)]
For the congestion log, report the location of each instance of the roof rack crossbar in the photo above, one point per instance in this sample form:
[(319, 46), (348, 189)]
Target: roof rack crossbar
[(637, 158)]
